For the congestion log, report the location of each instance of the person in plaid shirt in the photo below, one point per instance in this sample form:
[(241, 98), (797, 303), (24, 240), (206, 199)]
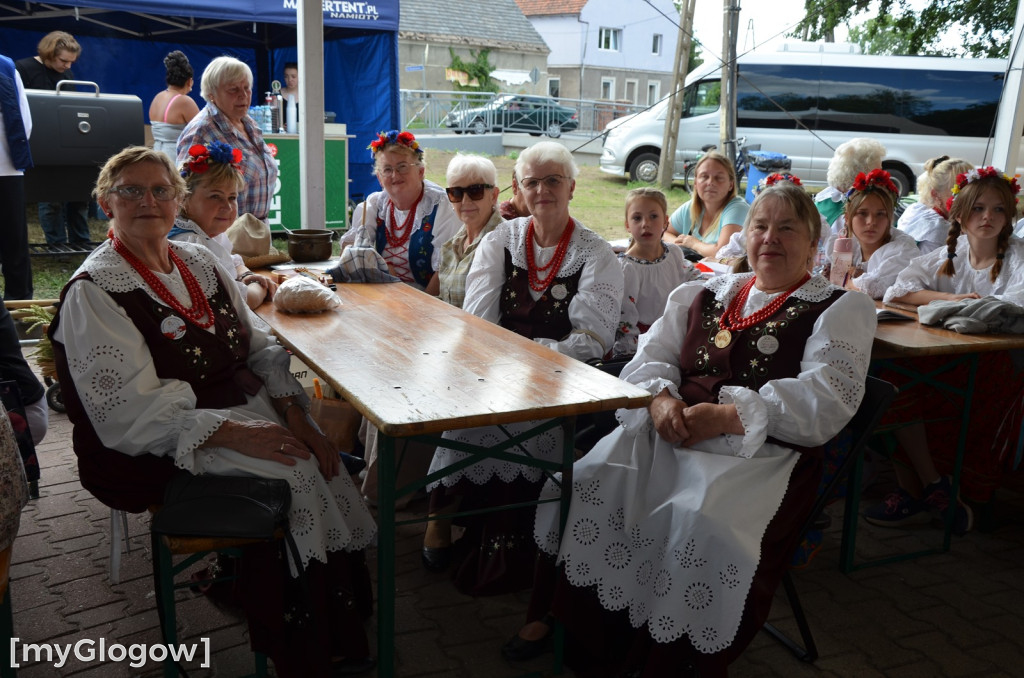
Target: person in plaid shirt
[(227, 89)]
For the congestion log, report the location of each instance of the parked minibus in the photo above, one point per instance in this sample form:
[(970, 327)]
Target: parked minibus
[(803, 104)]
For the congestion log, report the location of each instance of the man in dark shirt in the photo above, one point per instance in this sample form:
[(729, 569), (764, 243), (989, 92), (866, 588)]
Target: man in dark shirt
[(57, 52)]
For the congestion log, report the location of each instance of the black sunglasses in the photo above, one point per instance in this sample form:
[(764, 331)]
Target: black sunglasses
[(475, 192)]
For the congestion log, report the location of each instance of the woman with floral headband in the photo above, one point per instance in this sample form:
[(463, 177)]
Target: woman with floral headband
[(981, 259), (880, 250), (213, 181), (227, 88), (410, 219), (164, 373)]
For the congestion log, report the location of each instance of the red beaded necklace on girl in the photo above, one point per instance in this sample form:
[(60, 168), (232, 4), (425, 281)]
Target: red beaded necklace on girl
[(552, 267), (399, 235), (200, 306), (731, 321)]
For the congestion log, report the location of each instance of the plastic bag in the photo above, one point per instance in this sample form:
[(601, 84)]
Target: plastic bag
[(303, 295)]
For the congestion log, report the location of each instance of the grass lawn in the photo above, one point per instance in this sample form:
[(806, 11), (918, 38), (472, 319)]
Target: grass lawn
[(599, 202)]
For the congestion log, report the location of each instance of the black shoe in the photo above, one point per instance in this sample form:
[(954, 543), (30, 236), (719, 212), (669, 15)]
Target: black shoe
[(353, 465), (519, 650), (436, 559), (352, 667)]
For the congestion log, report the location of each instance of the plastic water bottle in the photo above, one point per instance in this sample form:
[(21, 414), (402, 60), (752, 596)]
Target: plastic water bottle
[(842, 262)]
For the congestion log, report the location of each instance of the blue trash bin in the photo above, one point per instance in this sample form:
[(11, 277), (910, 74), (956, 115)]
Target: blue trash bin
[(763, 164)]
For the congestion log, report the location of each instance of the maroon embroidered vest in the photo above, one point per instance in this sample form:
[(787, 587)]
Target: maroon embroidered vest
[(213, 364), (546, 317), (771, 349)]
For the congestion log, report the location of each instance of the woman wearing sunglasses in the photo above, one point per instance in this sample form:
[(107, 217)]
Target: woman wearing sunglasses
[(410, 219), (556, 282), (473, 191)]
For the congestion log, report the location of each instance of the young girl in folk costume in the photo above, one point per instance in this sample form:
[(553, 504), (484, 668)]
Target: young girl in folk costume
[(925, 220), (980, 259), (651, 267), (880, 251)]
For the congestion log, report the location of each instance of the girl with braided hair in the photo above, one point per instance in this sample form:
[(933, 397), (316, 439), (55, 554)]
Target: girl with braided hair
[(980, 259)]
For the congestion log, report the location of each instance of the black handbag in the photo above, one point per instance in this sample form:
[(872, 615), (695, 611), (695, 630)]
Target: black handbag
[(223, 506)]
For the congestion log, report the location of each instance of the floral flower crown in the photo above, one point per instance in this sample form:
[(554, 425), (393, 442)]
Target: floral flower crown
[(981, 173), (876, 178), (395, 138), (773, 179), (200, 157)]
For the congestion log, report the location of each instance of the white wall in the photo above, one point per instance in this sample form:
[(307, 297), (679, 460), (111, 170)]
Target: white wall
[(563, 34), (638, 26)]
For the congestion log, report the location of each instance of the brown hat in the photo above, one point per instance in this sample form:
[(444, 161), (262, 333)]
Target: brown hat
[(250, 238)]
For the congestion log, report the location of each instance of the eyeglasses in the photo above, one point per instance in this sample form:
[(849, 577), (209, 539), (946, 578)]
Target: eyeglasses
[(401, 169), (551, 181), (475, 192), (137, 193)]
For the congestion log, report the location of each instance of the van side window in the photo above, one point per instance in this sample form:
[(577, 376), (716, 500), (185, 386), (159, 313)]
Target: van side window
[(702, 97), (868, 100)]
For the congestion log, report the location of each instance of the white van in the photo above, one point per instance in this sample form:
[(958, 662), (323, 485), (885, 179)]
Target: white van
[(918, 107)]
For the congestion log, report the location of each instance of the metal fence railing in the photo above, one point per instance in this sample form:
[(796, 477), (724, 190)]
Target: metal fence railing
[(477, 113)]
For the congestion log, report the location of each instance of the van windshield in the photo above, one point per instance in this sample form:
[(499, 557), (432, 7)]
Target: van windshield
[(702, 97)]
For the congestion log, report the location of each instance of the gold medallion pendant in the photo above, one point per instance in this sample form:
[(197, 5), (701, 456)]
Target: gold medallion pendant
[(723, 338)]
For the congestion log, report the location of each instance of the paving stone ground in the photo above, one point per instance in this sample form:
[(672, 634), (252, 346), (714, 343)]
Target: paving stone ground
[(957, 614)]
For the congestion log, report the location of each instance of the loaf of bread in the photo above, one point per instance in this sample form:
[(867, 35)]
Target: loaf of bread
[(304, 295)]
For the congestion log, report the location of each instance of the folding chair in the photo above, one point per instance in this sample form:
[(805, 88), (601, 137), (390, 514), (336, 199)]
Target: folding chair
[(211, 514), (877, 396)]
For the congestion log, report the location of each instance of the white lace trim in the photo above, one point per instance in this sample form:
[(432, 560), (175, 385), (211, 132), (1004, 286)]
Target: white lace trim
[(547, 446), (725, 287), (753, 414), (583, 247), (112, 273)]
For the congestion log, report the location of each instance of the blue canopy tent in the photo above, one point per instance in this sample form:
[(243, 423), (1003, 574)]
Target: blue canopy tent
[(124, 43)]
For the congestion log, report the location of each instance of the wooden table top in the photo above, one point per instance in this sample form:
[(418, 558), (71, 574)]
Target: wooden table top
[(909, 338), (413, 364)]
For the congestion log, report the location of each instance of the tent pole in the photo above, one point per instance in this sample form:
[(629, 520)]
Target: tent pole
[(312, 164)]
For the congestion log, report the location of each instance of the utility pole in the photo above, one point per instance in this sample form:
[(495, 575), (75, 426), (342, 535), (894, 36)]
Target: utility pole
[(730, 27), (666, 166)]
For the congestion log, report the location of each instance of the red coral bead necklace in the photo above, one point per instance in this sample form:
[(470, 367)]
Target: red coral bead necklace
[(731, 320), (552, 267), (200, 306), (399, 235)]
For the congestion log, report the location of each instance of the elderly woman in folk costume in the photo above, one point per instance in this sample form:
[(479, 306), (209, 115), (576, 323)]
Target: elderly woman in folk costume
[(410, 219), (682, 521), (213, 181), (163, 373), (552, 280)]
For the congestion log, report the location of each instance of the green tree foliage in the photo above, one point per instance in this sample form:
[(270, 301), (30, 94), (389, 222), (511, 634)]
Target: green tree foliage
[(983, 26), (479, 70)]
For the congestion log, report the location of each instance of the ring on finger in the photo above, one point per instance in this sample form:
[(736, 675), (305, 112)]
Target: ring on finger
[(281, 450)]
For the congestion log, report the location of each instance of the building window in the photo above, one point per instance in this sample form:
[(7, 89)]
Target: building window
[(631, 88), (554, 85), (653, 92), (656, 45), (610, 39), (607, 88)]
